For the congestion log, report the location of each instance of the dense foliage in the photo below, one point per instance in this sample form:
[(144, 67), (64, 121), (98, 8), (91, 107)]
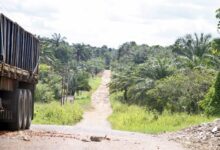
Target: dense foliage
[(65, 69), (180, 92), (177, 78), (218, 17), (211, 102), (174, 78)]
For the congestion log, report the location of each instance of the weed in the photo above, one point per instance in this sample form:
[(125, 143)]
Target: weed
[(68, 114), (136, 118)]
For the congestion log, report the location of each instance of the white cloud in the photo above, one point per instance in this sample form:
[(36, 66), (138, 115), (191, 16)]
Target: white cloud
[(113, 22)]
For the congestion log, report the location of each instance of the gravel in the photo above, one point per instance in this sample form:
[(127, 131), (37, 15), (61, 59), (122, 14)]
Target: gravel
[(205, 136)]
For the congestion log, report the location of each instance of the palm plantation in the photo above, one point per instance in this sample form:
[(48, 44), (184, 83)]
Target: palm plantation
[(193, 50), (160, 82)]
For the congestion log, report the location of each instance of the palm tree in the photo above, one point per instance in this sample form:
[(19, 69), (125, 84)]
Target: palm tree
[(125, 49), (120, 83), (156, 68), (135, 81), (82, 52), (78, 81), (57, 39), (47, 52), (193, 51)]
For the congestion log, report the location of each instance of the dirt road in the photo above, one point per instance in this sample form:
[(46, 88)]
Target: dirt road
[(96, 118), (92, 133)]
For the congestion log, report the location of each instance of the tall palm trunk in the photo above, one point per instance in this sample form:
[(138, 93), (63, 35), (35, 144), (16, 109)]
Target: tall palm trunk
[(125, 94), (62, 93)]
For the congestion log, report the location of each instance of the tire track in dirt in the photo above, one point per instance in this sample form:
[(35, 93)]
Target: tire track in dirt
[(96, 118)]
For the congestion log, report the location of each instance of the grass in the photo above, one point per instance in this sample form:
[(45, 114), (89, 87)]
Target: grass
[(136, 118), (69, 114), (53, 113)]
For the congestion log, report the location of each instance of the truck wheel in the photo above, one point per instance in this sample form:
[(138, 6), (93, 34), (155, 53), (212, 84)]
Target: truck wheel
[(17, 110), (25, 111), (29, 109)]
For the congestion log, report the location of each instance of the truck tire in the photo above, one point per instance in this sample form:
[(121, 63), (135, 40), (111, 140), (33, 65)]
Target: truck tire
[(25, 108), (17, 110), (29, 109)]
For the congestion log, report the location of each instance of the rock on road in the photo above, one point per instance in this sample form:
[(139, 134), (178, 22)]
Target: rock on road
[(92, 133)]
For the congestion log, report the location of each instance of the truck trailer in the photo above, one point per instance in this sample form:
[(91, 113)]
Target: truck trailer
[(19, 57)]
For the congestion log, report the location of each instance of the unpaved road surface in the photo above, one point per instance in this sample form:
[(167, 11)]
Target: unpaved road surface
[(92, 133), (96, 117)]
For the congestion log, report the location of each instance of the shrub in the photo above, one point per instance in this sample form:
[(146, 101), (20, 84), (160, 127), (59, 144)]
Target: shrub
[(211, 102), (180, 92), (43, 93)]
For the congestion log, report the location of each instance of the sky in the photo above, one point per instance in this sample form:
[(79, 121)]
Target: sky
[(114, 22)]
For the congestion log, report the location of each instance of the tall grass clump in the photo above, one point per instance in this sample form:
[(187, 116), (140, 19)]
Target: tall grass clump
[(136, 118), (53, 113)]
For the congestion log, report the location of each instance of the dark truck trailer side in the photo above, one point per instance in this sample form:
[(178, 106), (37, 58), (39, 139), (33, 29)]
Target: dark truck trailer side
[(19, 56)]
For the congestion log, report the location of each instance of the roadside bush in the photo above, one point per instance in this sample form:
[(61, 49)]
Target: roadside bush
[(54, 113), (43, 93), (180, 92), (55, 85), (137, 118), (44, 72), (49, 80), (211, 102)]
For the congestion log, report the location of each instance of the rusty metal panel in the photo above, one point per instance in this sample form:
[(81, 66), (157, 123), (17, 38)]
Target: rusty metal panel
[(6, 84)]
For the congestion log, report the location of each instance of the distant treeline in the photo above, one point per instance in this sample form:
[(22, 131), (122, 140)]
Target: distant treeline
[(66, 68), (177, 78)]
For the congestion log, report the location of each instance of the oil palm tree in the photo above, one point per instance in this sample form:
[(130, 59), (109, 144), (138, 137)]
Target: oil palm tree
[(193, 51), (134, 82), (57, 39), (125, 50), (81, 52)]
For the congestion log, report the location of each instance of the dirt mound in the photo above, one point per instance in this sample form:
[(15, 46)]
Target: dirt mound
[(201, 137)]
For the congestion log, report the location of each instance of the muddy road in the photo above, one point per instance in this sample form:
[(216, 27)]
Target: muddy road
[(92, 133)]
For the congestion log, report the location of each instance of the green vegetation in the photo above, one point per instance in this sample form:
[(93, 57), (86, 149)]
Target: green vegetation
[(54, 113), (166, 88), (211, 102), (70, 113), (158, 88), (65, 69), (67, 72), (180, 92), (84, 98), (137, 118), (169, 83), (218, 17)]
